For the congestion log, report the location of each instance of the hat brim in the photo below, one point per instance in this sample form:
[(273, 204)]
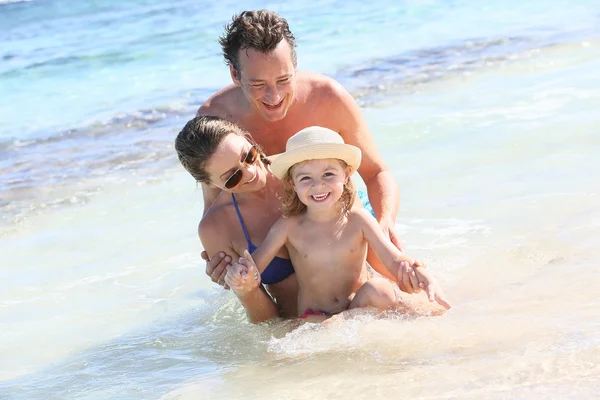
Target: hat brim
[(281, 163)]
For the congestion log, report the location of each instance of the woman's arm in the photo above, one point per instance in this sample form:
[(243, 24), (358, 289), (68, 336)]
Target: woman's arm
[(258, 304)]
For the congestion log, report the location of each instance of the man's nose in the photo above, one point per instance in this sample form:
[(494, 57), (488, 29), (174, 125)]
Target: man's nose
[(272, 94)]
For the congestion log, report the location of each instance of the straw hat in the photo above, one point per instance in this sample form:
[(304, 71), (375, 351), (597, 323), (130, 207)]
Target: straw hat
[(314, 143)]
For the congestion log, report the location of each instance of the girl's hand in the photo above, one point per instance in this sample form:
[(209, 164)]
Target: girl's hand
[(427, 282), (243, 277)]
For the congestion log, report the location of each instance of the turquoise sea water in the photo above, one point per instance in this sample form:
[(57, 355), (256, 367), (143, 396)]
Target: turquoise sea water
[(98, 85), (486, 113)]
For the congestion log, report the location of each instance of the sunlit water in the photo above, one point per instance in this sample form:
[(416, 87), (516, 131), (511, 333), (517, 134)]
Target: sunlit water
[(488, 117)]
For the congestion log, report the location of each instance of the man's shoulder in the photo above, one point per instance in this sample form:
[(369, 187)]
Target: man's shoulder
[(221, 103), (325, 91), (323, 84)]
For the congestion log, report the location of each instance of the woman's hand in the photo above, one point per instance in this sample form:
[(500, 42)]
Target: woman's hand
[(243, 277)]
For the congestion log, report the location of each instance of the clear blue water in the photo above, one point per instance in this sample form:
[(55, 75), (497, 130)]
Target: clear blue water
[(103, 85), (67, 65)]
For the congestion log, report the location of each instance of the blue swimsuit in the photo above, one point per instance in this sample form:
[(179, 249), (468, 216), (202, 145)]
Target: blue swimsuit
[(278, 269)]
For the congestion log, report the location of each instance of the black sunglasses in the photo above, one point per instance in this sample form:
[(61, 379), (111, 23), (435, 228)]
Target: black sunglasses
[(236, 177)]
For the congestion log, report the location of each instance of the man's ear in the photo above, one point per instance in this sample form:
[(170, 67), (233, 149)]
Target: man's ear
[(235, 75)]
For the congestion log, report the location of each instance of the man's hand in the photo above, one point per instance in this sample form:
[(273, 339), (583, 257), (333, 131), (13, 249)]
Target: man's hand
[(243, 277), (407, 278), (216, 268)]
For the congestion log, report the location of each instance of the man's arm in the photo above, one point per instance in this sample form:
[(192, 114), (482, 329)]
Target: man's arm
[(258, 304), (382, 188)]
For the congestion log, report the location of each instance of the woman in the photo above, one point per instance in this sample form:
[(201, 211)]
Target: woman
[(218, 153)]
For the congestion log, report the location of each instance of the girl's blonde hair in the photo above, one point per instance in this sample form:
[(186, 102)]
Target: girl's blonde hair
[(291, 204)]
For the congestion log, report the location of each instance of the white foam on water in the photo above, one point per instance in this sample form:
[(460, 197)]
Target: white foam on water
[(86, 274)]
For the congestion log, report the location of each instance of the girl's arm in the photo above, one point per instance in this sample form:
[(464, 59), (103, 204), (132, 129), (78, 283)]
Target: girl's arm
[(389, 254), (275, 240), (392, 258)]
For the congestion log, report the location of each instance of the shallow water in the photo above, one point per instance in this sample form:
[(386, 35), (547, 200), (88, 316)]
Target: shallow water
[(490, 128)]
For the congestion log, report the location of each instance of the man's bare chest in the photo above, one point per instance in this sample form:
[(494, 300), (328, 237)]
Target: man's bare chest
[(273, 136)]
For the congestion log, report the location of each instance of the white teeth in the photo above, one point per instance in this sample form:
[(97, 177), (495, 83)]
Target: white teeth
[(273, 105), (320, 196), (253, 179)]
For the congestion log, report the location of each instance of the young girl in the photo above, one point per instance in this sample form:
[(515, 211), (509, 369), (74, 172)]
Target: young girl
[(326, 238)]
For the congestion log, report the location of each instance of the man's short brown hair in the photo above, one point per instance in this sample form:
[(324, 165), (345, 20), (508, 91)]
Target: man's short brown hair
[(260, 30)]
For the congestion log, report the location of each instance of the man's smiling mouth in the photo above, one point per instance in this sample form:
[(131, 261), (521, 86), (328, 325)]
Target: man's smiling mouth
[(271, 106)]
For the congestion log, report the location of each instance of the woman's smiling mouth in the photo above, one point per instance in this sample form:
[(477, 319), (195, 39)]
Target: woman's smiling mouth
[(254, 179)]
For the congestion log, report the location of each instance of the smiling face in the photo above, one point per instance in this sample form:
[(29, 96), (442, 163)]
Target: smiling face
[(267, 80), (319, 184), (232, 155)]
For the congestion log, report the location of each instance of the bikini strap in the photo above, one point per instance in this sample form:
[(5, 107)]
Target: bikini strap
[(237, 210)]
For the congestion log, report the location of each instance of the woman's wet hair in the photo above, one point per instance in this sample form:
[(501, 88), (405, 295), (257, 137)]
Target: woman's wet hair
[(199, 139), (291, 204), (260, 30)]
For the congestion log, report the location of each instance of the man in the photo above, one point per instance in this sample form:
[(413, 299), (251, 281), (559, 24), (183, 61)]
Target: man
[(272, 100)]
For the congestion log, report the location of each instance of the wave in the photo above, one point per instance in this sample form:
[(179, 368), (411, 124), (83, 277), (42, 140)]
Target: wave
[(379, 78), (368, 83), (126, 121), (3, 2), (142, 140), (73, 61), (36, 172)]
